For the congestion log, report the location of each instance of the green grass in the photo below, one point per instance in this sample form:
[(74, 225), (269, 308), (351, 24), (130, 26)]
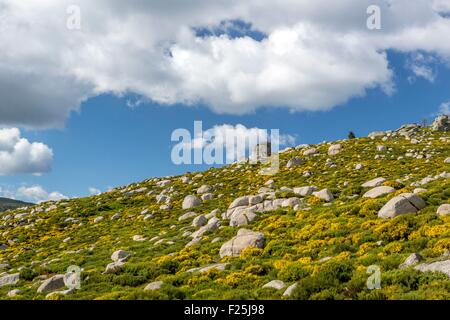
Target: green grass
[(347, 231)]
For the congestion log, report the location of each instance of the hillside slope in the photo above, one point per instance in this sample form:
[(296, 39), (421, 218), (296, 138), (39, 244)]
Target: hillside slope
[(319, 245), (7, 204)]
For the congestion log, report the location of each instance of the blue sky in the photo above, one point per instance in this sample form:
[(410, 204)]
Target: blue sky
[(109, 144), (93, 104)]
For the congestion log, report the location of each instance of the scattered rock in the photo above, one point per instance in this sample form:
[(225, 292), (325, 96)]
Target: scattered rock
[(244, 239), (99, 219), (296, 161), (13, 293), (212, 214), (4, 266), (148, 217), (191, 201), (378, 192), (334, 149), (239, 202), (270, 184), (402, 204), (324, 194), (199, 221), (413, 259), (204, 189), (138, 238), (116, 216), (290, 202), (154, 286), (443, 210), (120, 255), (290, 290), (275, 284), (163, 183), (304, 191), (376, 134), (54, 283), (213, 224), (187, 215), (242, 218), (374, 182), (439, 266), (310, 151), (193, 242), (207, 196), (114, 267), (9, 279), (217, 266), (54, 294)]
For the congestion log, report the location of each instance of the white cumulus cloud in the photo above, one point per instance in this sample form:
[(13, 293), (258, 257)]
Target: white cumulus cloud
[(19, 156), (34, 194), (315, 54)]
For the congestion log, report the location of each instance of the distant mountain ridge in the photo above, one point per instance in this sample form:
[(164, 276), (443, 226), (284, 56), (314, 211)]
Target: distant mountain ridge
[(6, 204)]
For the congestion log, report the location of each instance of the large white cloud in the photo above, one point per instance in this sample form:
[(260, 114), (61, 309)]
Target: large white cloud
[(317, 54), (18, 155), (35, 194)]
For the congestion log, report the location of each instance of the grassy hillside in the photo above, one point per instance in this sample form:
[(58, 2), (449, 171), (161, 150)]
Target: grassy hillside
[(323, 247), (7, 204)]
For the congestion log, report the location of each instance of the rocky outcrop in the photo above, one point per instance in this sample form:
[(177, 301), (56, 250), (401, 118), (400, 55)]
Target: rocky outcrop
[(441, 123)]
